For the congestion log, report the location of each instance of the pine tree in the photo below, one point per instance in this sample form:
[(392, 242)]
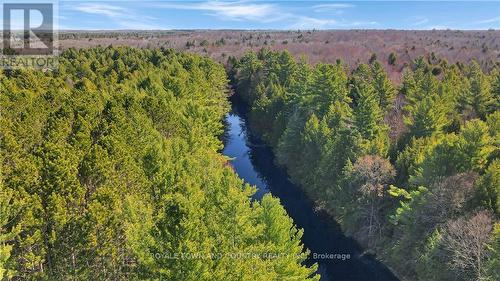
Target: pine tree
[(105, 179), (444, 158), (383, 87), (367, 114), (479, 97), (249, 69), (314, 137), (493, 263), (489, 187), (329, 86), (290, 141), (427, 117), (7, 234), (286, 240), (495, 89), (467, 151)]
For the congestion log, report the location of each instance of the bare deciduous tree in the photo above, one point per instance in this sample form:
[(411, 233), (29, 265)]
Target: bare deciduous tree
[(447, 197), (467, 241), (374, 173)]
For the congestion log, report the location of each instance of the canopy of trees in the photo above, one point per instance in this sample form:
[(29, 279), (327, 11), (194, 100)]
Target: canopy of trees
[(110, 170), (423, 193)]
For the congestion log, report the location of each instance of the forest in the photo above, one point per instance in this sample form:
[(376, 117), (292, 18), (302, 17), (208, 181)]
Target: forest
[(412, 171), (111, 170), (111, 166)]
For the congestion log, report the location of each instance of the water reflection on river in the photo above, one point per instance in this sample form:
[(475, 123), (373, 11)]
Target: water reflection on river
[(338, 256)]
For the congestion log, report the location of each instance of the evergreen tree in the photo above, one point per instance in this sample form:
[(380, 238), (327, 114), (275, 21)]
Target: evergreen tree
[(6, 233), (368, 117), (495, 89), (467, 151), (489, 187), (383, 87), (103, 180), (334, 144), (479, 97), (367, 114), (427, 117), (329, 86)]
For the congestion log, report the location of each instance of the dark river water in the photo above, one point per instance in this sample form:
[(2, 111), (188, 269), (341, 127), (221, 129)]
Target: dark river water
[(254, 162)]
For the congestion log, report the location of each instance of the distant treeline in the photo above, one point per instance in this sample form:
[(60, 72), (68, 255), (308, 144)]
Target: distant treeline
[(63, 35), (412, 170), (110, 171)]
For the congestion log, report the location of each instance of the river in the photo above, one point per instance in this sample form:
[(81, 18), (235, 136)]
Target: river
[(253, 161)]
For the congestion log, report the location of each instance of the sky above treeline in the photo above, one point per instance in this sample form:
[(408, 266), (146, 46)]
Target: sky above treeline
[(99, 15)]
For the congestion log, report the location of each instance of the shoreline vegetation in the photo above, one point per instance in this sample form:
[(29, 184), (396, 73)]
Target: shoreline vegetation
[(411, 171), (110, 170)]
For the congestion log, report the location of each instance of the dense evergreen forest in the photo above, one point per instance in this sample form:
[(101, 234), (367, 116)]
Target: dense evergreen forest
[(110, 170), (410, 171)]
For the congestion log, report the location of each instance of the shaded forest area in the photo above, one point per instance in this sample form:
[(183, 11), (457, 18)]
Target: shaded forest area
[(110, 170), (412, 171)]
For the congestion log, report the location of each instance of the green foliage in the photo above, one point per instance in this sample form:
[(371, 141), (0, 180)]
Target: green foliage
[(373, 58), (495, 89), (392, 59), (386, 92), (417, 220), (431, 259), (398, 192), (368, 116), (489, 187), (7, 234), (281, 236), (367, 113), (479, 97), (333, 138), (427, 109), (468, 151), (493, 263), (111, 167), (329, 86), (409, 160)]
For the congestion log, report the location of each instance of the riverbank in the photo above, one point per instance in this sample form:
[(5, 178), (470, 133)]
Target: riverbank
[(403, 168), (339, 257)]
